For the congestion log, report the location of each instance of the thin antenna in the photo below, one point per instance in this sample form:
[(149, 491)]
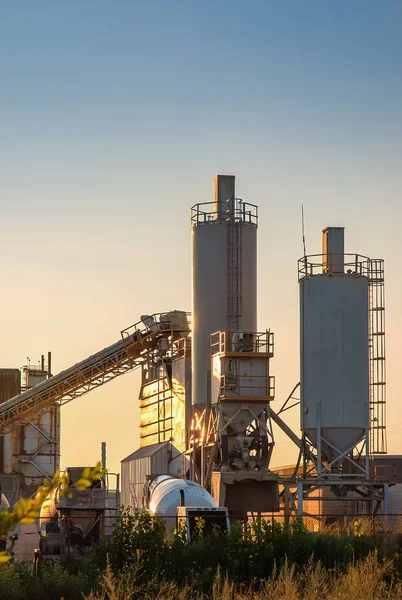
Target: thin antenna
[(304, 237)]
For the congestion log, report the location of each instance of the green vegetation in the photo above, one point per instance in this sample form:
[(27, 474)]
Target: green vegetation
[(259, 560)]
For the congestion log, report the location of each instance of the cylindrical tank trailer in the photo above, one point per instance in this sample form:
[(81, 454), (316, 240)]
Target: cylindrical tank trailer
[(167, 493), (185, 503)]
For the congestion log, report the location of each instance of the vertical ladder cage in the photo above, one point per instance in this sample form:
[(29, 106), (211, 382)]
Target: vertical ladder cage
[(378, 438), (234, 269)]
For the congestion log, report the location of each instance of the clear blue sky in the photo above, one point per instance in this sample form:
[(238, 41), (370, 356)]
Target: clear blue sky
[(115, 116)]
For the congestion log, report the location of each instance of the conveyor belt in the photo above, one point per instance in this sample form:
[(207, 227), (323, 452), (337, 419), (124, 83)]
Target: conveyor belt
[(125, 355)]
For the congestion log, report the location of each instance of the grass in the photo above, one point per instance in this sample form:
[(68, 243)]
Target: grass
[(366, 579)]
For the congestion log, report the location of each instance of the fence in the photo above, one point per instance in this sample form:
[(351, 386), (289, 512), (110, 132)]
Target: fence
[(75, 537)]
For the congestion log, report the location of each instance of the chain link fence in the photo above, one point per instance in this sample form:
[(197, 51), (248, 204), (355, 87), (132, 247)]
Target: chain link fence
[(75, 536)]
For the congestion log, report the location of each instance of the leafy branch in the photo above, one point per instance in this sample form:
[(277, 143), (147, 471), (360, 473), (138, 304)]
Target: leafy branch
[(26, 511)]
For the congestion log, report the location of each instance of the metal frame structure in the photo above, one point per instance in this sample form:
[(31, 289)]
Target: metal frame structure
[(210, 427), (158, 389), (373, 269), (307, 478)]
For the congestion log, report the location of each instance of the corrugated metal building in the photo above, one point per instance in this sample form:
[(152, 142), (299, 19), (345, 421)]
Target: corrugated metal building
[(135, 468)]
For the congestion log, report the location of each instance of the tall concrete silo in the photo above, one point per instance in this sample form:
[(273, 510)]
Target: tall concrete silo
[(335, 358), (232, 440), (224, 275)]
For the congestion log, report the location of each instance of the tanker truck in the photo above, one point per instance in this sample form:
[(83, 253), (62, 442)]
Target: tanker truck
[(70, 524), (184, 502)]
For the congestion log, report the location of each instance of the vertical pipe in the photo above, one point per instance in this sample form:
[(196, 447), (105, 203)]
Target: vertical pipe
[(42, 363), (118, 490), (319, 456), (386, 498), (333, 249), (202, 475), (300, 497), (368, 450), (49, 364), (104, 456)]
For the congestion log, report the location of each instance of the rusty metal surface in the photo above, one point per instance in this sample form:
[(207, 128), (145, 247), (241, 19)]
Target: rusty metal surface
[(10, 383)]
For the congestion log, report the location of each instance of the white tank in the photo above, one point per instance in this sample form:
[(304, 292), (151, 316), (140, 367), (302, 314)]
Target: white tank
[(167, 493), (4, 503), (224, 276), (334, 337)]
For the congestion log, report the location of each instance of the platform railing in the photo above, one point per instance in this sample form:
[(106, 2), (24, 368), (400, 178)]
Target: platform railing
[(242, 341), (239, 212)]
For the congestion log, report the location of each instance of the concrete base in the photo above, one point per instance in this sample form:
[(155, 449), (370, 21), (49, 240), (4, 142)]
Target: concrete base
[(246, 491)]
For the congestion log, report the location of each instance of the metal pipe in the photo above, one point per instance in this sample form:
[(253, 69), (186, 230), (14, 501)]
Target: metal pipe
[(103, 449), (49, 364), (300, 497), (386, 498), (319, 453), (296, 440)]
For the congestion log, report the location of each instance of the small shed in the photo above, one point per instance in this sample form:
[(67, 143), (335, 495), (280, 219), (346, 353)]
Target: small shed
[(148, 460)]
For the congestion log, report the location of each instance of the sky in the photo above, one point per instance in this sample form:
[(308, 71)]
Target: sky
[(114, 117)]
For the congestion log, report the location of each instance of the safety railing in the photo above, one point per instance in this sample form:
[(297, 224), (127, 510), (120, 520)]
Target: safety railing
[(224, 342), (175, 321), (247, 387), (341, 264), (234, 212)]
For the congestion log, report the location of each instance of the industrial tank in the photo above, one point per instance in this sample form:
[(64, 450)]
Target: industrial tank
[(70, 523), (224, 275), (334, 339), (167, 493)]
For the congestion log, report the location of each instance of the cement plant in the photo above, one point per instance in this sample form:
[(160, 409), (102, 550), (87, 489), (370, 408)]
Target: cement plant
[(208, 420)]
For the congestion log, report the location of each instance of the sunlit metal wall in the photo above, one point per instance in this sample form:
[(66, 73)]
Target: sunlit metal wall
[(334, 349)]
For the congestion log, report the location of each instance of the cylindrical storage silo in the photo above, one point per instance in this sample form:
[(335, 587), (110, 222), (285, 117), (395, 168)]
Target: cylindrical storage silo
[(334, 338), (224, 276)]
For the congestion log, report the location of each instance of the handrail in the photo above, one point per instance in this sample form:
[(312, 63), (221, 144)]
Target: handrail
[(234, 383), (242, 341), (351, 264), (237, 212)]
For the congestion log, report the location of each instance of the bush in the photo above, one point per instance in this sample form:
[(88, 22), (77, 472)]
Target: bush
[(249, 553), (253, 556)]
